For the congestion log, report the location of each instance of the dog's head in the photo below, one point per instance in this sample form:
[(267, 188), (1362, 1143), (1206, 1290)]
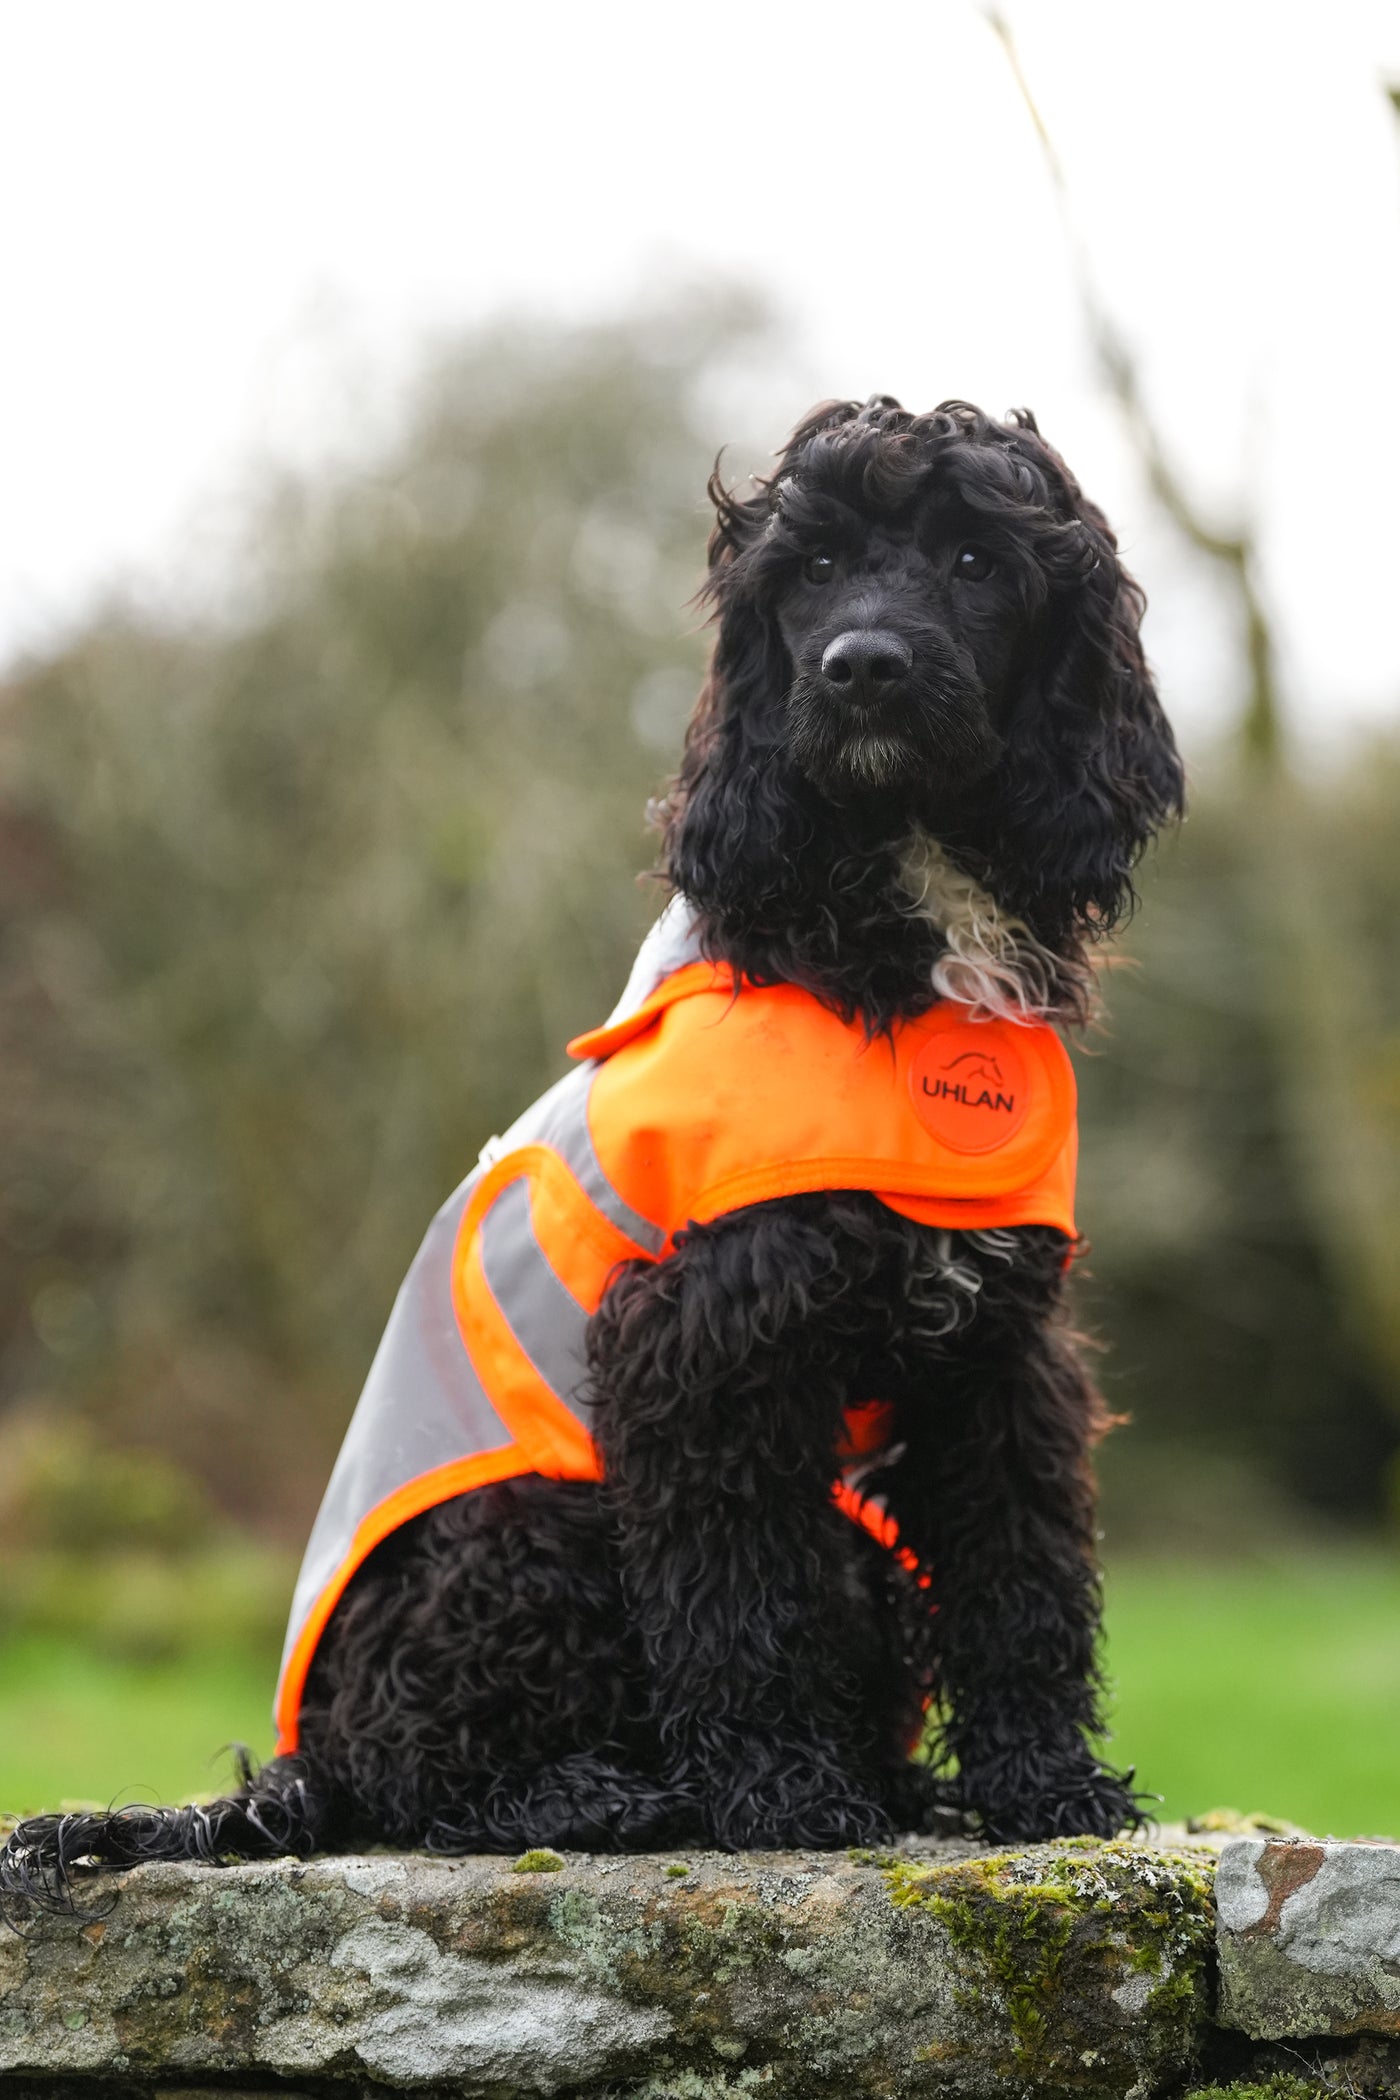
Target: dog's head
[(924, 629)]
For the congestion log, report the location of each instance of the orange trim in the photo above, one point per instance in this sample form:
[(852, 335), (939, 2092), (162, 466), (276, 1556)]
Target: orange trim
[(882, 1528), (581, 1245), (922, 1196), (426, 1491), (552, 1185), (1047, 1206), (552, 1441)]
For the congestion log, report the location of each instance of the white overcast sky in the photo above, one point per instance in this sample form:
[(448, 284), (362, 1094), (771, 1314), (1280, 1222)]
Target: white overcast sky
[(213, 211)]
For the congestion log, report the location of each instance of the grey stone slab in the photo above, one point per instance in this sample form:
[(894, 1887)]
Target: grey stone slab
[(1069, 1968), (1309, 1937)]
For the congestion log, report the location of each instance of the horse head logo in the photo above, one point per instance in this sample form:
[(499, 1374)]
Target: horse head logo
[(975, 1064)]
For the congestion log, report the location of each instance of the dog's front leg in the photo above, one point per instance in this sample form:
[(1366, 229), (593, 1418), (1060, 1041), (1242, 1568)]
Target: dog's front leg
[(720, 1378), (999, 1495)]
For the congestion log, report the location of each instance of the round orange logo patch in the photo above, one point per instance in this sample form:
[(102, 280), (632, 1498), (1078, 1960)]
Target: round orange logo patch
[(970, 1086)]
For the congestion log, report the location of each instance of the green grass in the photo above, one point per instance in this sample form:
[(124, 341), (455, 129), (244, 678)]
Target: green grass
[(1256, 1687), (75, 1726), (1262, 1687)]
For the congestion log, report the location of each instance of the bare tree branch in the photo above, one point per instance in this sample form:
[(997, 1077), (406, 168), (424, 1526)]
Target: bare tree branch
[(1234, 550)]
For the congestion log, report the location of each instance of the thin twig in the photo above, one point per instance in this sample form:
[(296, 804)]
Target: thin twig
[(1235, 551)]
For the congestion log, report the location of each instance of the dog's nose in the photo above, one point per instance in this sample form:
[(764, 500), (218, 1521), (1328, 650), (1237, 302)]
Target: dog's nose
[(864, 660)]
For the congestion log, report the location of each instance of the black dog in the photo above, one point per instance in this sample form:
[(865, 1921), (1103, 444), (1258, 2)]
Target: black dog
[(927, 757)]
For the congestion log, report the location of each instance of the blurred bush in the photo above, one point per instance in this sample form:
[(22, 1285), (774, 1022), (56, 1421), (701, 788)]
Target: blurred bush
[(142, 1607), (306, 904), (61, 1490), (120, 1551), (299, 905), (1241, 1163)]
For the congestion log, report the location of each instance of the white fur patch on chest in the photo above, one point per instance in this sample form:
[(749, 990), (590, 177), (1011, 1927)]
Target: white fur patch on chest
[(994, 963)]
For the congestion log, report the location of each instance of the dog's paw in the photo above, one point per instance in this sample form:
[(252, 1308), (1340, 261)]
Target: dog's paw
[(1084, 1800)]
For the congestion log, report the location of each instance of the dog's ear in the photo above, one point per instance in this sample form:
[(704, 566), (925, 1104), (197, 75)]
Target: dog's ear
[(1094, 767), (727, 817)]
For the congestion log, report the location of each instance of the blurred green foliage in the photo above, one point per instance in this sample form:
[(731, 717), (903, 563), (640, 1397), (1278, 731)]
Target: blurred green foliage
[(62, 1491), (299, 904)]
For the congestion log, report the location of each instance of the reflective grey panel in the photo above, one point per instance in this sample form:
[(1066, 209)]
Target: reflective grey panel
[(422, 1406), (545, 1318)]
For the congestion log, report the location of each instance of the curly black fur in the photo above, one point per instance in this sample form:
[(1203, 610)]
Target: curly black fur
[(703, 1648)]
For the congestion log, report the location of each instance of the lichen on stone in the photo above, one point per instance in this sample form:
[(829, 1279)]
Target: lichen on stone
[(610, 1946)]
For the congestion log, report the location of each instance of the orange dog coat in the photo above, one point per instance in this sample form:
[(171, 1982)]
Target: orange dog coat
[(709, 1096)]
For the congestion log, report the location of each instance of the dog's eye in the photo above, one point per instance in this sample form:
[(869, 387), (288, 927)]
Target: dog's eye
[(819, 568), (973, 565)]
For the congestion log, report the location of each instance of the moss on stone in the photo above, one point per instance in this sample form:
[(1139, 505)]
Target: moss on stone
[(1050, 1932), (1283, 2085), (1018, 1933), (677, 1870), (538, 1862), (1230, 1822)]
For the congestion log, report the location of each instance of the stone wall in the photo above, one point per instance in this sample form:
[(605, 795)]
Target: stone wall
[(1075, 1968)]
